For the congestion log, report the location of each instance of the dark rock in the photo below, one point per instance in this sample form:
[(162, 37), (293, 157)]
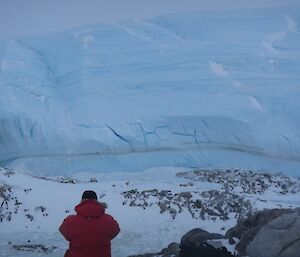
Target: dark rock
[(203, 250), (185, 194), (40, 208), (210, 204), (197, 236), (9, 204), (196, 243), (7, 172), (29, 216), (249, 181), (171, 251), (34, 248)]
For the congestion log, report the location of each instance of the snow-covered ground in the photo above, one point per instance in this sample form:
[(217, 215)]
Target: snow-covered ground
[(214, 88), (37, 205), (128, 104)]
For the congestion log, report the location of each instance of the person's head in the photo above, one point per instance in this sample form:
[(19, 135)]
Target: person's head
[(89, 195)]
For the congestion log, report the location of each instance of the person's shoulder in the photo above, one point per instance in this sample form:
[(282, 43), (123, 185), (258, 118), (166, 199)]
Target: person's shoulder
[(108, 216), (70, 218)]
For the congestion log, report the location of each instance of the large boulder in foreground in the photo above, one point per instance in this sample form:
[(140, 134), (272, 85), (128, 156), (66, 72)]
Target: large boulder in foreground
[(198, 236), (195, 243), (247, 229), (199, 243), (280, 237)]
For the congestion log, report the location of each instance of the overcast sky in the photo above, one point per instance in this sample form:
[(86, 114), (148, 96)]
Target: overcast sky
[(26, 17)]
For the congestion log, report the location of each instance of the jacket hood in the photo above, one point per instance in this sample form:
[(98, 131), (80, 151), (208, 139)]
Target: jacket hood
[(90, 208)]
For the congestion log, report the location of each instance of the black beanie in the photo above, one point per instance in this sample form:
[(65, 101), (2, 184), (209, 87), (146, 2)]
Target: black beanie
[(91, 195)]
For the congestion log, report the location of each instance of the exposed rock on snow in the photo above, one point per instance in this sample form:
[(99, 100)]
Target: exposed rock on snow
[(210, 204), (9, 203), (198, 236), (171, 251), (268, 233), (34, 248), (279, 238), (245, 181), (190, 244), (247, 229), (64, 180), (236, 185), (212, 199), (199, 242)]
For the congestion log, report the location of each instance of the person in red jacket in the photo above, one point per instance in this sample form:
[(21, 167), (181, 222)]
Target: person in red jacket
[(90, 230)]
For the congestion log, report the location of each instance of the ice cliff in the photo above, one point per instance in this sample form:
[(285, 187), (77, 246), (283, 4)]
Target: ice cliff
[(218, 89)]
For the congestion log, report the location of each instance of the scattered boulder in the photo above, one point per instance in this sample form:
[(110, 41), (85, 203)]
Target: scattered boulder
[(198, 242), (246, 181), (195, 243), (212, 204), (280, 237), (39, 248), (198, 236), (9, 204), (204, 250)]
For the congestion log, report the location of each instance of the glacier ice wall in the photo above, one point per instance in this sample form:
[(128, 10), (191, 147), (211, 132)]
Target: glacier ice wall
[(218, 88)]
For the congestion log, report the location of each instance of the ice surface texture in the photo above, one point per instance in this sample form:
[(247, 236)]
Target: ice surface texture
[(218, 88)]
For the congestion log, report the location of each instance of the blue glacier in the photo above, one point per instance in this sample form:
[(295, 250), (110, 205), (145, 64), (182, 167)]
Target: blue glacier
[(205, 89)]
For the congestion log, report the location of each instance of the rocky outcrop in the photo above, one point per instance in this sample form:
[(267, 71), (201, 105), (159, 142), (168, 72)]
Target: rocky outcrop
[(193, 243), (279, 238), (235, 195), (267, 233), (247, 229), (199, 242)]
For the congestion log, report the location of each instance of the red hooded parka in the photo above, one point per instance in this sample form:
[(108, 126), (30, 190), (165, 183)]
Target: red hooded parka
[(90, 231)]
